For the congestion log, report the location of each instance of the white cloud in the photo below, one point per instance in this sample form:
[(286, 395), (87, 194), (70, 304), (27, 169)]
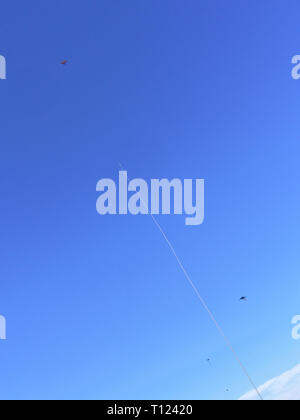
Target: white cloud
[(285, 387)]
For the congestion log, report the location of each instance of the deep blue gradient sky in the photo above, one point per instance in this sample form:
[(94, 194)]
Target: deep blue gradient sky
[(96, 307)]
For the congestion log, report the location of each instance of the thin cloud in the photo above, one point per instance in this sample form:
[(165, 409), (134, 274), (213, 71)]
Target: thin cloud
[(285, 387)]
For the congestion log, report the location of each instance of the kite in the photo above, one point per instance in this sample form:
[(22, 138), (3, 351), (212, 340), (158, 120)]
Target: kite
[(209, 362)]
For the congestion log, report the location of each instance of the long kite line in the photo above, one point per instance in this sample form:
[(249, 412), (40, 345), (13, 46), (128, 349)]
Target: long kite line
[(204, 304)]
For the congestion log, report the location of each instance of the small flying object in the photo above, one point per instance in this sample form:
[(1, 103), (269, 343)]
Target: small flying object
[(244, 299), (209, 362), (64, 62)]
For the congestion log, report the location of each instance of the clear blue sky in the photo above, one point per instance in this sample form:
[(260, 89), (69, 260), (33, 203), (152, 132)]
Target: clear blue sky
[(96, 307)]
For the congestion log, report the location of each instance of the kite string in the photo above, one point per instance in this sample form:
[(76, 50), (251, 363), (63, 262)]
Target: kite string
[(203, 302), (227, 341)]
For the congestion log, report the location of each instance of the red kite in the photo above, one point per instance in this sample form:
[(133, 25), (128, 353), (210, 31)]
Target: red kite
[(64, 62)]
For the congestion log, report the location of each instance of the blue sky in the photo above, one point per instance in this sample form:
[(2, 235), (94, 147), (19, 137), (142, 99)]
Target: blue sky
[(96, 307)]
